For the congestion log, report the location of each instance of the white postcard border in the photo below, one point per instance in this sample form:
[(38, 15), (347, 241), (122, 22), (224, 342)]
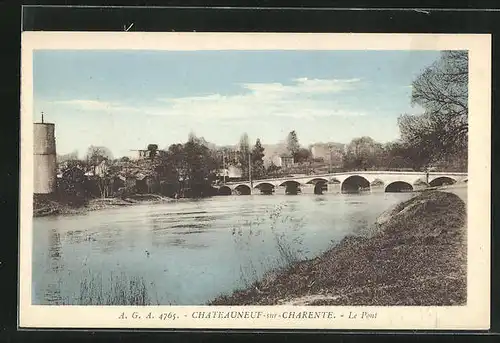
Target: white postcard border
[(474, 315)]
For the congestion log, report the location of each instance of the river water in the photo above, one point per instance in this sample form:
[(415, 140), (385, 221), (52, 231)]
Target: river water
[(187, 252)]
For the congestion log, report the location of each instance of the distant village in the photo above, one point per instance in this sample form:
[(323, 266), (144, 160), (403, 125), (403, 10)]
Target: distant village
[(108, 176), (323, 156)]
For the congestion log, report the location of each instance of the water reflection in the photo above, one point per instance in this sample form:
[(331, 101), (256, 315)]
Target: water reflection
[(193, 251), (190, 232), (55, 265), (55, 251), (108, 239), (189, 226), (53, 293)]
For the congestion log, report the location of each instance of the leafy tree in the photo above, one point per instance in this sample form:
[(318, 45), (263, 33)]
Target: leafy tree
[(173, 168), (292, 143), (397, 155), (362, 153), (72, 187), (153, 150), (442, 91), (244, 151), (258, 169), (201, 166), (189, 168), (176, 158), (273, 169), (302, 155)]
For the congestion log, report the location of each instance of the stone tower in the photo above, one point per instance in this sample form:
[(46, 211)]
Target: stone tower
[(44, 158)]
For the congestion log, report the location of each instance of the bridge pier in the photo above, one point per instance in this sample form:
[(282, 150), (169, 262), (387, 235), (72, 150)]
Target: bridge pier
[(377, 189), (279, 190), (419, 187), (307, 189), (332, 189), (255, 191)]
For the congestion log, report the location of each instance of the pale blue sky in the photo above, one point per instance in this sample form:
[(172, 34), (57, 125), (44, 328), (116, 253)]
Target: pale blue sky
[(126, 99)]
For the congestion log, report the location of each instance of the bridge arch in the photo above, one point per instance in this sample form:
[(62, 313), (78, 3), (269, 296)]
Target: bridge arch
[(225, 190), (263, 184), (442, 181), (243, 190), (398, 186), (317, 180), (292, 187), (354, 184), (265, 187), (320, 185), (288, 182)]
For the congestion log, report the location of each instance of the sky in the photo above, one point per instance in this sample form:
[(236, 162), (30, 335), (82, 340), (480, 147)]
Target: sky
[(124, 100)]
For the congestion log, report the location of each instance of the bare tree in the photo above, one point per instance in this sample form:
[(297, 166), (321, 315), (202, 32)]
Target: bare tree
[(72, 156), (442, 91), (97, 154)]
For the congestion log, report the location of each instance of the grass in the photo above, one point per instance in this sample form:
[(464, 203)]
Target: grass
[(416, 256), (119, 290), (288, 245)]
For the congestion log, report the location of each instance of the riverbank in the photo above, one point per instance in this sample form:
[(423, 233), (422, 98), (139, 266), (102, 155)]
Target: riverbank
[(416, 256), (43, 207)]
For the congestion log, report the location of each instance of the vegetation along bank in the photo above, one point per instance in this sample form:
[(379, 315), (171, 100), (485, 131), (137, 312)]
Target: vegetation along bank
[(416, 256), (50, 205)]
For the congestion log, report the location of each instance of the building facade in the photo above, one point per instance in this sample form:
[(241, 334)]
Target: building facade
[(286, 161)]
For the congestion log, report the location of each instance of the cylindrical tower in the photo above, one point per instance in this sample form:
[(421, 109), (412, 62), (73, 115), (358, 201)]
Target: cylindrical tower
[(44, 158)]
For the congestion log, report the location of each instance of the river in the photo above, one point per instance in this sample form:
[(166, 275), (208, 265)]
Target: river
[(188, 252)]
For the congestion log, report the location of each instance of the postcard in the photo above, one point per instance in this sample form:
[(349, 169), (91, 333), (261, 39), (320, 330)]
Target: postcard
[(255, 181)]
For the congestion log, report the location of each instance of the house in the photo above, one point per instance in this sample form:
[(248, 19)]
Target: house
[(272, 154), (286, 161), (151, 151), (143, 154), (101, 169), (231, 173)]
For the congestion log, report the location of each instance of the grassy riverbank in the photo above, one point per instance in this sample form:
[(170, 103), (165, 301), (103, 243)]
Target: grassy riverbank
[(416, 256), (46, 206)]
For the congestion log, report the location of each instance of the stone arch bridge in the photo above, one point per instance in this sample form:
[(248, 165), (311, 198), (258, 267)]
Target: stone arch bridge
[(355, 181)]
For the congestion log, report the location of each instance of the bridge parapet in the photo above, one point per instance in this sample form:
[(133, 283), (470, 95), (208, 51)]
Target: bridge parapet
[(386, 177)]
